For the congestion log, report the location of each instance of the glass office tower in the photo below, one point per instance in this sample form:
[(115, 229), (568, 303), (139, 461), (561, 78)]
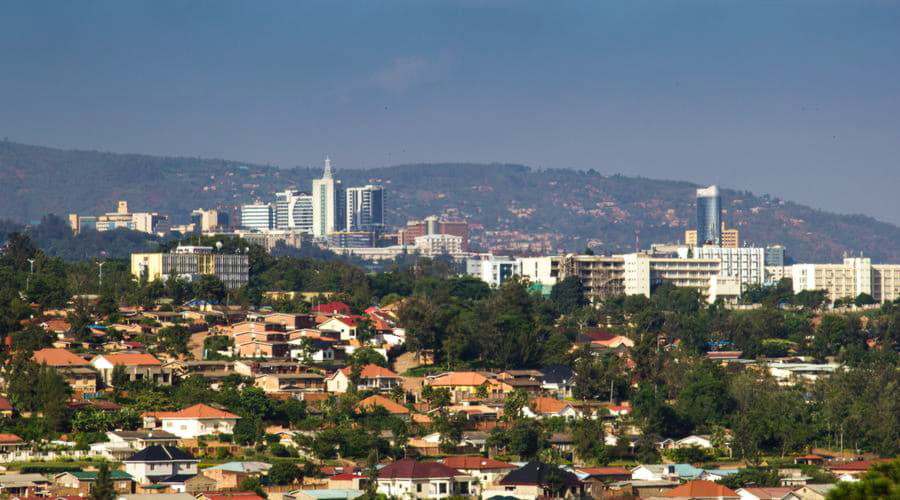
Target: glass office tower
[(709, 216)]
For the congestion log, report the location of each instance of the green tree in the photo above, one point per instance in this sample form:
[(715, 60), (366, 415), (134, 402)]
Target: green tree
[(103, 488), (589, 437), (174, 340), (568, 295), (283, 473), (882, 481)]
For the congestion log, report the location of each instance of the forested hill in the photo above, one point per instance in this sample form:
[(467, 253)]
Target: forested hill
[(563, 210)]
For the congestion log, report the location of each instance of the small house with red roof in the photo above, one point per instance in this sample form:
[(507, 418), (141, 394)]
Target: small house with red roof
[(10, 442), (6, 409), (371, 377), (409, 478), (389, 405), (701, 489), (136, 365), (197, 420)]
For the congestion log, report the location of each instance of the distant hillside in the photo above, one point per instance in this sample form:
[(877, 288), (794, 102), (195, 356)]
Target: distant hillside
[(520, 208)]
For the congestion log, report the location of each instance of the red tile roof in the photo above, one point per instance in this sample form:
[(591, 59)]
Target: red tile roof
[(468, 462), (371, 371), (238, 495), (701, 489), (346, 476), (198, 411), (460, 379), (409, 468), (331, 308), (10, 438), (58, 357), (5, 404), (392, 407), (545, 405), (859, 465), (130, 359), (604, 471)]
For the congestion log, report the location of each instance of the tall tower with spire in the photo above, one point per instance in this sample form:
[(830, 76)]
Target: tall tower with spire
[(327, 201)]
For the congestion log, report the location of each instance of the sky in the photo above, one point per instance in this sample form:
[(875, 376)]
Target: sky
[(799, 99)]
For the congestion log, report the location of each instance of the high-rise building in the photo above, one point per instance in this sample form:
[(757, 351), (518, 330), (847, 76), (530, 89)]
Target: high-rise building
[(364, 208), (775, 256), (293, 210), (709, 216), (327, 203), (258, 216)]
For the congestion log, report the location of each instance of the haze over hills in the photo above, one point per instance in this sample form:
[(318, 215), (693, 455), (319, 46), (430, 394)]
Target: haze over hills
[(548, 210)]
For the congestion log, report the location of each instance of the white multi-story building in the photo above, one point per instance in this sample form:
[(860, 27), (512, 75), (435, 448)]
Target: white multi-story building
[(364, 208), (258, 216), (846, 281), (432, 245), (747, 264), (492, 269), (293, 210), (327, 203)]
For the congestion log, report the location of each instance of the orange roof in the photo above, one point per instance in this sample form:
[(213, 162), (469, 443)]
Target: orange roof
[(58, 357), (58, 325), (468, 462), (130, 359), (701, 489), (392, 407), (547, 405), (460, 379), (10, 438), (371, 371), (198, 411)]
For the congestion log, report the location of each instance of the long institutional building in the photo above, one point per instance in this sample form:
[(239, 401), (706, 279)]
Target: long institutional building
[(854, 276), (190, 263)]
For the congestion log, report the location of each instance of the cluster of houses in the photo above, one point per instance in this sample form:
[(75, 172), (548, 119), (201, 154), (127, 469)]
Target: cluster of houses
[(170, 473), (304, 357)]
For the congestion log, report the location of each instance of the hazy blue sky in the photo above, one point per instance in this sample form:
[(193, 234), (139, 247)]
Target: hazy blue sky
[(800, 99)]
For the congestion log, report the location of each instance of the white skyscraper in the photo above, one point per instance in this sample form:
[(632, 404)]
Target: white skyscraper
[(326, 203), (365, 208)]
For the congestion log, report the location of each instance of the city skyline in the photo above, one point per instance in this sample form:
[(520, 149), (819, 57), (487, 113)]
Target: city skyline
[(771, 98)]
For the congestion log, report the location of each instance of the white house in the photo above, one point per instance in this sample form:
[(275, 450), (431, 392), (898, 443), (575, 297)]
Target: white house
[(409, 478), (161, 465), (698, 441), (544, 407), (136, 366), (345, 326), (370, 377), (197, 420)]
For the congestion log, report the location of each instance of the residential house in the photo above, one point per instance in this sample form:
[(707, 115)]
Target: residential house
[(23, 485), (347, 481), (199, 484), (665, 472), (6, 408), (486, 470), (197, 420), (409, 478), (329, 494), (80, 482), (234, 495), (767, 493), (10, 442), (536, 479), (136, 366), (291, 383), (161, 465), (811, 492), (76, 370), (156, 496), (262, 344), (705, 490), (291, 321), (704, 442), (467, 385), (854, 469), (228, 476), (138, 440), (58, 357), (331, 308), (544, 407), (371, 377), (346, 326), (558, 380), (318, 350), (604, 474), (377, 401)]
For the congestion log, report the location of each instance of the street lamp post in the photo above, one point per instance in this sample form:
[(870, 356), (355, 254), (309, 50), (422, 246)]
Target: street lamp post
[(28, 279), (101, 273)]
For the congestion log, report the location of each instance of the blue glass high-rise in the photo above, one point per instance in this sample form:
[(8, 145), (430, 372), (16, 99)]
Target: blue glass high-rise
[(709, 216)]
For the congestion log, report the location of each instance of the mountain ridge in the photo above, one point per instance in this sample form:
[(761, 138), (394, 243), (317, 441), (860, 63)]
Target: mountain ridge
[(521, 209)]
